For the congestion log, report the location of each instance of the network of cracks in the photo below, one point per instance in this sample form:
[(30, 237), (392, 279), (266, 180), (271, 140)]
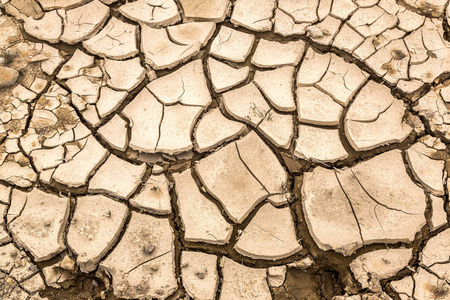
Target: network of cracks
[(224, 149)]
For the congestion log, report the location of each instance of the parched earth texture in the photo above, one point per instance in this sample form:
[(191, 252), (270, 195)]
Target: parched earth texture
[(224, 149)]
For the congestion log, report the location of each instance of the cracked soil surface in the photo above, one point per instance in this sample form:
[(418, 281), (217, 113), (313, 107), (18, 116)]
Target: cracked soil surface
[(224, 149)]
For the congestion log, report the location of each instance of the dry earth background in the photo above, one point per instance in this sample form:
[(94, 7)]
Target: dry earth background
[(220, 149)]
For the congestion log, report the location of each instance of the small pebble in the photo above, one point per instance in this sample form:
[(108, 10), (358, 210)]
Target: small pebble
[(8, 76), (148, 248)]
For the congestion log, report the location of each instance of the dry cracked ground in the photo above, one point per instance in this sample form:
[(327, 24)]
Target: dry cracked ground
[(224, 149)]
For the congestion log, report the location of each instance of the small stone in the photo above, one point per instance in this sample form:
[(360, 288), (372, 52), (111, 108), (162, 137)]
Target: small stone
[(154, 268), (303, 263), (314, 32), (157, 169), (68, 263), (148, 248), (8, 77)]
